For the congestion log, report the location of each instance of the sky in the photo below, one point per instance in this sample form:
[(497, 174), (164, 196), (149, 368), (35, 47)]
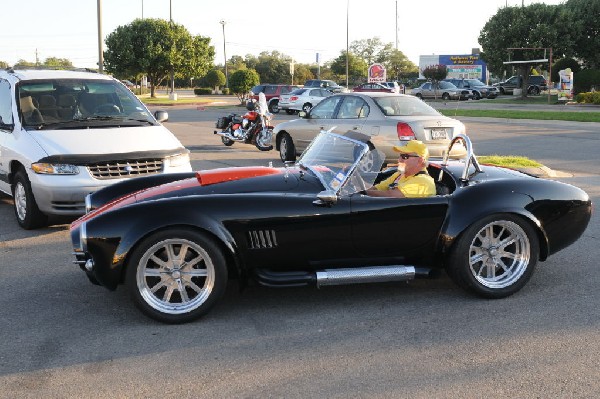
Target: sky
[(299, 29)]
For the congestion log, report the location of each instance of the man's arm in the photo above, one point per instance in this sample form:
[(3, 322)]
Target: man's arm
[(393, 193)]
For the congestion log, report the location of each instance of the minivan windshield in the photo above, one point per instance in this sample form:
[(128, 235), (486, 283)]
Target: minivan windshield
[(79, 103)]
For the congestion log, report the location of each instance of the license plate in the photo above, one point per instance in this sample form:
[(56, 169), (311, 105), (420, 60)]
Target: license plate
[(438, 134)]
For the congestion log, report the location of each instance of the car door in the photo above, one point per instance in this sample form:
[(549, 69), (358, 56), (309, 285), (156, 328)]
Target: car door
[(427, 90), (321, 117), (351, 115), (6, 120), (396, 227)]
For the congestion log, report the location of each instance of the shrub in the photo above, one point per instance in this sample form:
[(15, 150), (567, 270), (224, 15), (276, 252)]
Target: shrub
[(202, 91), (584, 80), (588, 98), (225, 90)]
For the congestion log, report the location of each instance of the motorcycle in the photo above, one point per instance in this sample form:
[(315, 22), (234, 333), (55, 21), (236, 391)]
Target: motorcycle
[(251, 128)]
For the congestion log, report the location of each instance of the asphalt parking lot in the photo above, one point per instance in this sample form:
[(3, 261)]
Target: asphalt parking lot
[(63, 337)]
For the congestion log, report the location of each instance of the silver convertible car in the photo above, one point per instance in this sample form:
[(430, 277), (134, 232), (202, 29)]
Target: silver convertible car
[(388, 119)]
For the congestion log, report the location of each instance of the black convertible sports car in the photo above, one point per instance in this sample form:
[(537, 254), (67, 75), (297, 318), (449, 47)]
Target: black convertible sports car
[(175, 240)]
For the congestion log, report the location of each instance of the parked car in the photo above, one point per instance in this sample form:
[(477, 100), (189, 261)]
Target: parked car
[(396, 88), (478, 88), (175, 245), (390, 119), (536, 84), (325, 84), (130, 85), (302, 99), (373, 87), (65, 134), (444, 90), (272, 93)]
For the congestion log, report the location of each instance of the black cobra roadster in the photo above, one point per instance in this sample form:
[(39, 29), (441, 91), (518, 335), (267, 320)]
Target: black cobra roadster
[(175, 240)]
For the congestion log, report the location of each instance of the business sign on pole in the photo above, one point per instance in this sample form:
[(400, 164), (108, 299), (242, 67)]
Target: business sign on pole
[(376, 73), (565, 92)]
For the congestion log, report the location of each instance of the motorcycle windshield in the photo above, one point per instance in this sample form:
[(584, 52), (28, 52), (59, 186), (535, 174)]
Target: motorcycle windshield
[(342, 164)]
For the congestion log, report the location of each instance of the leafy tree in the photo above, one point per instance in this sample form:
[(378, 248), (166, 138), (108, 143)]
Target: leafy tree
[(156, 47), (584, 16), (240, 83), (435, 72), (215, 78), (302, 73), (396, 63), (536, 25), (24, 64), (357, 67), (367, 49), (3, 64), (273, 67), (57, 62)]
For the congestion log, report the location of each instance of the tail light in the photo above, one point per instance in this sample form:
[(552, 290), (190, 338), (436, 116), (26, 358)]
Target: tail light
[(405, 133), (293, 98)]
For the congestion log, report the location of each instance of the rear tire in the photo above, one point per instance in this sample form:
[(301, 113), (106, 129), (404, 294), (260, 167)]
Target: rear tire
[(27, 212), (494, 257), (176, 275), (445, 96), (226, 141), (274, 106)]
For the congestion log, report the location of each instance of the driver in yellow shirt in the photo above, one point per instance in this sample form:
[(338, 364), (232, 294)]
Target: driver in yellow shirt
[(411, 180)]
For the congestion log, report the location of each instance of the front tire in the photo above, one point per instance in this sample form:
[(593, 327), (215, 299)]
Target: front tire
[(494, 257), (287, 150), (27, 212), (176, 275), (226, 141), (445, 96), (307, 107)]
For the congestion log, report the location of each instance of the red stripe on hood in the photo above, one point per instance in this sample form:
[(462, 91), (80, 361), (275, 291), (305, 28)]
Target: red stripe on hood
[(214, 176)]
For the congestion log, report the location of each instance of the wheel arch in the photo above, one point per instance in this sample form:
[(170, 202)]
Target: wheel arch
[(229, 251), (456, 227), (14, 167)]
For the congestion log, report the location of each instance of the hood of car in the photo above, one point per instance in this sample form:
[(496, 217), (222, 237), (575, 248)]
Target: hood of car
[(110, 140)]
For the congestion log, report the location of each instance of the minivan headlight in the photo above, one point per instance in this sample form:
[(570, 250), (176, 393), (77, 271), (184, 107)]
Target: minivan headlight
[(54, 169), (179, 160)]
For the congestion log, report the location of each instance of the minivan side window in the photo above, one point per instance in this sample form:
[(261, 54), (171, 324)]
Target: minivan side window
[(6, 117)]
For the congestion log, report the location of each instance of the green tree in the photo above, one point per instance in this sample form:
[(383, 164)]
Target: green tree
[(302, 73), (57, 63), (215, 78), (435, 73), (533, 26), (396, 63), (357, 67), (240, 83), (24, 64), (367, 49), (3, 64), (156, 47), (272, 67), (584, 16)]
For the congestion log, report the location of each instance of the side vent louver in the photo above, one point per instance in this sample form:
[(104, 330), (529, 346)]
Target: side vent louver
[(258, 239)]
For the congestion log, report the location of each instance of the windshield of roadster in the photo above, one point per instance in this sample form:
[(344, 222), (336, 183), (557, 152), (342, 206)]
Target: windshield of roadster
[(339, 161), (79, 104)]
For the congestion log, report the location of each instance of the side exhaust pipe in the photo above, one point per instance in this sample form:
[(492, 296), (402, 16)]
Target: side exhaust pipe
[(374, 274)]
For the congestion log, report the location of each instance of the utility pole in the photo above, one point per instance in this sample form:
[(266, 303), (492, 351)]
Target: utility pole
[(347, 53), (172, 95), (222, 22), (100, 51), (396, 24)]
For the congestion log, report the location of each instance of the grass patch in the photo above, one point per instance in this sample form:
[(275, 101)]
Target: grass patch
[(592, 116), (509, 161)]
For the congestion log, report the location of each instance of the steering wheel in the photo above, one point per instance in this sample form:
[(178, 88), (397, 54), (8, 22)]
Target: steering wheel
[(107, 110)]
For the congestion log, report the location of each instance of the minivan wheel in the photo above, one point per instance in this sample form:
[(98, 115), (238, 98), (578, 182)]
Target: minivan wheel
[(27, 212), (274, 107)]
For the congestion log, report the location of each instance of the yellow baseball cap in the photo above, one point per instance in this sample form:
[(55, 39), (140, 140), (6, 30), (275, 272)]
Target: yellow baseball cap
[(415, 146)]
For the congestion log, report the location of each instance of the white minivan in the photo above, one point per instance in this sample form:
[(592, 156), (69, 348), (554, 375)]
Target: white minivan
[(65, 134)]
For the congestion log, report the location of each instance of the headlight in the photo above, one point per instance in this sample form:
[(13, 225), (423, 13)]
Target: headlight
[(54, 169), (179, 160)]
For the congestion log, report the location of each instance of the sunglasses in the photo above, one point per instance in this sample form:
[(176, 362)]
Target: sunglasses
[(406, 156)]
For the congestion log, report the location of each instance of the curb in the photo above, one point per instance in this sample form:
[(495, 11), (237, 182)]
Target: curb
[(544, 171)]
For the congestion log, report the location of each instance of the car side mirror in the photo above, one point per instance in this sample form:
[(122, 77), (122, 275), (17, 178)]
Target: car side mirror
[(326, 198), (161, 116)]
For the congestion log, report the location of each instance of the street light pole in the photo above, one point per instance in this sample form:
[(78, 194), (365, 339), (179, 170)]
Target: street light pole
[(100, 52), (222, 22), (172, 95), (347, 54)]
